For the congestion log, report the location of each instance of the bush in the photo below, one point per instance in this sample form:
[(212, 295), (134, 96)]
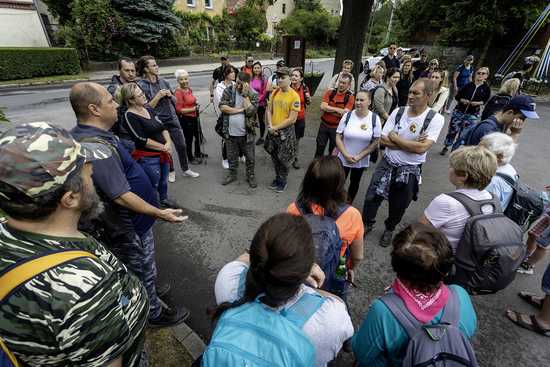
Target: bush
[(21, 62)]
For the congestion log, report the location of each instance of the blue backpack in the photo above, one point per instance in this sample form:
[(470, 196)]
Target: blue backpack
[(327, 241), (255, 335)]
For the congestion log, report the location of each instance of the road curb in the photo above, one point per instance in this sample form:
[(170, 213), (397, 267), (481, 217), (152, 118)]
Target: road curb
[(190, 340)]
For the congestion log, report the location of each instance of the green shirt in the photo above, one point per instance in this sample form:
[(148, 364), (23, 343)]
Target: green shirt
[(85, 312)]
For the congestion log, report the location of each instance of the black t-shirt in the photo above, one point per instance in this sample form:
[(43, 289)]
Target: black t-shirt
[(472, 93), (391, 62), (419, 66), (403, 86), (141, 129)]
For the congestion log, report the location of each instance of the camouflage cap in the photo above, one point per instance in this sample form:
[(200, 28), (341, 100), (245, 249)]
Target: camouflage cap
[(38, 157)]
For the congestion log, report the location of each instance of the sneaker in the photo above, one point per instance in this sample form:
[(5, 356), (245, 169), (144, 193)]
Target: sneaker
[(385, 240), (526, 268), (281, 187), (444, 151), (163, 290), (172, 176), (252, 182), (169, 204), (260, 141), (196, 161), (274, 184), (169, 317), (243, 159), (191, 173), (295, 164), (228, 179), (225, 164)]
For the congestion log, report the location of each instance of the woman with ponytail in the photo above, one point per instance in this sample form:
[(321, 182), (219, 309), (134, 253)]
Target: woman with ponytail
[(279, 271)]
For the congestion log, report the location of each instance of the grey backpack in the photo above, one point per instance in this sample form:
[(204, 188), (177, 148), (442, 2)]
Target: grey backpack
[(441, 344), (490, 250)]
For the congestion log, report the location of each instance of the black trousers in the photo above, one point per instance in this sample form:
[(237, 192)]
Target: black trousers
[(190, 127), (261, 120), (325, 135), (354, 181), (400, 197)]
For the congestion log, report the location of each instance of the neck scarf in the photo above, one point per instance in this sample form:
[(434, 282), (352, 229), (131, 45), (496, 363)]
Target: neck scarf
[(423, 306)]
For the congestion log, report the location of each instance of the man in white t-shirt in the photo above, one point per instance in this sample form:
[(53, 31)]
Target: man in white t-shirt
[(397, 176)]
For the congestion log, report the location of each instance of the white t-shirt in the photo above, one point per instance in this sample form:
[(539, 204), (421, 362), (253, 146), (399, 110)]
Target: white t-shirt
[(327, 329), (447, 214), (237, 126), (357, 135), (218, 93), (500, 188), (409, 128)]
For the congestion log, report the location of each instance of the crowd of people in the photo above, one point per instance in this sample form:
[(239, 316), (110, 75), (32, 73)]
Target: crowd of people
[(77, 251)]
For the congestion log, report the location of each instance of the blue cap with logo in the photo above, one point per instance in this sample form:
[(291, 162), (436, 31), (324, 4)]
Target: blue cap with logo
[(526, 105)]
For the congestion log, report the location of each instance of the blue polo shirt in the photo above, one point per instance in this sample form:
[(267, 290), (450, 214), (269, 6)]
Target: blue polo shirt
[(118, 175), (485, 127)]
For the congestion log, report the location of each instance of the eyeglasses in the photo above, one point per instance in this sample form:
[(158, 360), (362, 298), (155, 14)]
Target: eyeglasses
[(250, 61), (433, 63), (481, 73)]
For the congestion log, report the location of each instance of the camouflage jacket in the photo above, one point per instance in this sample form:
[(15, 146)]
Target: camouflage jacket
[(228, 99), (85, 312)]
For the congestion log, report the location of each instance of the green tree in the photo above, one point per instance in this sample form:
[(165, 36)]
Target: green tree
[(60, 9), (316, 25), (247, 23)]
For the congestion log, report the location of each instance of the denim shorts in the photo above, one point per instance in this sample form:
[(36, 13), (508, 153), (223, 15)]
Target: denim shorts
[(541, 231), (546, 281)]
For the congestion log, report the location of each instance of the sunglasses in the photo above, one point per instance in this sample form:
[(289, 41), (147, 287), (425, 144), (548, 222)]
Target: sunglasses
[(481, 73)]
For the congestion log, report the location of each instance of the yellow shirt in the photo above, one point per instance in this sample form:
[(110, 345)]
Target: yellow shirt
[(282, 103)]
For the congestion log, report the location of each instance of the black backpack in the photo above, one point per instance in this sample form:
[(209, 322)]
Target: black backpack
[(333, 94), (490, 250), (526, 204), (495, 104)]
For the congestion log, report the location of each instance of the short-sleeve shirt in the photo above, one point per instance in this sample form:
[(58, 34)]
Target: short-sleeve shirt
[(409, 128), (449, 216), (282, 103), (484, 128), (338, 100), (237, 125), (327, 329), (86, 312), (357, 136), (500, 188), (349, 223), (464, 75)]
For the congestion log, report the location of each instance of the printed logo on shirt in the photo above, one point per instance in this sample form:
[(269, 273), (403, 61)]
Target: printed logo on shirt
[(297, 104), (412, 128)]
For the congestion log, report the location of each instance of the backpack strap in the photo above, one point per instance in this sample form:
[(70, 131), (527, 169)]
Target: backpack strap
[(23, 271), (451, 313), (399, 115), (508, 179), (374, 116), (401, 313), (347, 96), (341, 210), (332, 95), (348, 116), (474, 206), (300, 312), (427, 120), (242, 284)]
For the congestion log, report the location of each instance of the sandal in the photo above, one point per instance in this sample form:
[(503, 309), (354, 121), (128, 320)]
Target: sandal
[(532, 299), (533, 326)]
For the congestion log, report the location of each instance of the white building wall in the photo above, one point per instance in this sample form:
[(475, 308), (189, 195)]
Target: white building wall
[(21, 28), (274, 13)]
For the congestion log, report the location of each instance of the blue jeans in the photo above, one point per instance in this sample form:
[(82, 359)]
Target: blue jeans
[(158, 174)]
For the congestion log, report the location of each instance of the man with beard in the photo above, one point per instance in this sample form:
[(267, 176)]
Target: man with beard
[(129, 198), (60, 289)]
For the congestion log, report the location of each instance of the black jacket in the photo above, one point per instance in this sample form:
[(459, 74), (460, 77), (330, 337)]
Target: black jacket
[(472, 93)]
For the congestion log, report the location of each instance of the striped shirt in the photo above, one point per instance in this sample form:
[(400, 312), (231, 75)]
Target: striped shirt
[(85, 312)]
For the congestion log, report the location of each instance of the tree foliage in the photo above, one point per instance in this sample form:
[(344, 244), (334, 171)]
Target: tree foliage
[(60, 9), (247, 24), (311, 21)]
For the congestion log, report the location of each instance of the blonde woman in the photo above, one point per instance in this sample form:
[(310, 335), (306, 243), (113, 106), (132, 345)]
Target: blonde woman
[(441, 90), (404, 84), (508, 89), (432, 66), (376, 78)]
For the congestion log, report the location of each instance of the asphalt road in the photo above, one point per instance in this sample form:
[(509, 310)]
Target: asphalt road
[(223, 220)]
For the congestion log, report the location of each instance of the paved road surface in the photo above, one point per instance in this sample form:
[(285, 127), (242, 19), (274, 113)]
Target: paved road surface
[(223, 220)]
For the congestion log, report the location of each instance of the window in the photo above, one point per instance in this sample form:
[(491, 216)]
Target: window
[(190, 2), (208, 4), (284, 8)]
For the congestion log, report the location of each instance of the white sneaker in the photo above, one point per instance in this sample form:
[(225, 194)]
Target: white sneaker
[(243, 159), (225, 164), (172, 176), (191, 173)]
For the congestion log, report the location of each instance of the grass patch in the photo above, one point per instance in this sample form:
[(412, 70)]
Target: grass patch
[(316, 53), (47, 79)]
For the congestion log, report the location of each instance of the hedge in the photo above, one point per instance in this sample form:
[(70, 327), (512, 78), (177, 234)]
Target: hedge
[(22, 62)]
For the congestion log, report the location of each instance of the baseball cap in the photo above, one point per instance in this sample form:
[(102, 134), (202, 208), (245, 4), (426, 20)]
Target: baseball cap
[(38, 157), (280, 63), (283, 71), (223, 57), (526, 105)]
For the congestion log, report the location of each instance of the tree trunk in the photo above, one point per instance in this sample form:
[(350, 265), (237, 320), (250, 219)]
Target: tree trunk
[(351, 35)]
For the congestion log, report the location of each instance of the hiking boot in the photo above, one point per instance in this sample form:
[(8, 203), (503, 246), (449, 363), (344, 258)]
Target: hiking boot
[(444, 150), (252, 182), (281, 187), (169, 204), (260, 141), (228, 179), (385, 240), (163, 290), (169, 317), (295, 164), (274, 184), (526, 268)]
